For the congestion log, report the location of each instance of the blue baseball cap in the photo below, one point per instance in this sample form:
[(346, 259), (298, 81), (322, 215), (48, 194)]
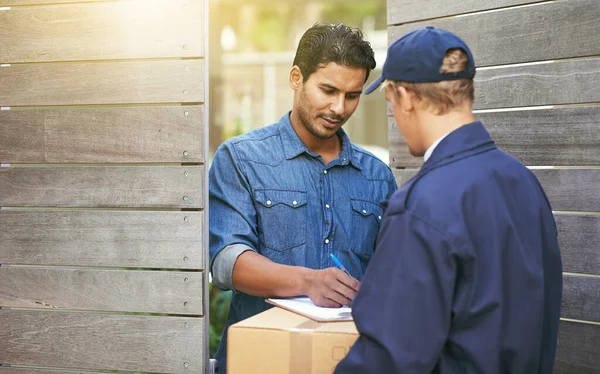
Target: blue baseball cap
[(416, 57)]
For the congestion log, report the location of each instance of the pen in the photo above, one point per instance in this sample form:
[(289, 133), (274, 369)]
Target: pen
[(338, 263)]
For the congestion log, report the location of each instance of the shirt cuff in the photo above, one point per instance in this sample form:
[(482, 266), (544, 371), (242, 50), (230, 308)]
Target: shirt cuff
[(222, 270)]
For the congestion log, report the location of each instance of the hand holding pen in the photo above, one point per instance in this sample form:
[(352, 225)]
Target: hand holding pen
[(338, 263), (331, 287)]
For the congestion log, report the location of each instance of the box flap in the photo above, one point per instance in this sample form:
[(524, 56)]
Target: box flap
[(281, 319)]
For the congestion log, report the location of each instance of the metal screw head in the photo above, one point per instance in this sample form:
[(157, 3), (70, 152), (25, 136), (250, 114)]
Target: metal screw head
[(185, 303), (185, 198), (187, 325), (185, 92), (186, 173), (186, 218), (186, 153), (186, 68), (186, 280), (185, 258), (186, 113), (186, 365)]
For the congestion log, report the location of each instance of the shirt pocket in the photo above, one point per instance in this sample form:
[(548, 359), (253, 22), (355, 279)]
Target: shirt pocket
[(282, 218), (366, 218)]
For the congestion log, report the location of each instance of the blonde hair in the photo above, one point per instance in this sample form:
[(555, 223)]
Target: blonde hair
[(441, 97)]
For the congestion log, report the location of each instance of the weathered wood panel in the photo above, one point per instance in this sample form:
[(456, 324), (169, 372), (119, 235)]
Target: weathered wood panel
[(102, 30), (102, 290), (102, 134), (575, 189), (553, 30), (106, 341), (124, 82), (40, 2), (581, 298), (404, 175), (577, 351), (578, 237), (141, 239), (102, 187), (572, 189), (400, 11), (18, 370), (558, 136), (560, 82)]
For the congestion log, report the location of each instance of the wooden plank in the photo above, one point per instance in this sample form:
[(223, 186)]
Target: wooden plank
[(577, 350), (103, 134), (581, 297), (558, 136), (21, 370), (142, 239), (401, 11), (166, 292), (146, 81), (560, 82), (102, 341), (40, 2), (547, 31), (102, 31), (574, 189), (404, 175), (578, 237), (102, 187)]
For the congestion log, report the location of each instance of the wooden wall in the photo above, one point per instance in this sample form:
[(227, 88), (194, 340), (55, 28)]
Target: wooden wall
[(537, 92), (102, 186)]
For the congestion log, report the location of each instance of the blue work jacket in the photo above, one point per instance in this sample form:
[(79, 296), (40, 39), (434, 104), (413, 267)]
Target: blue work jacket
[(467, 275)]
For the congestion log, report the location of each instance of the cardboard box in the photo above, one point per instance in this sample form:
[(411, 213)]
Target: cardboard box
[(281, 342)]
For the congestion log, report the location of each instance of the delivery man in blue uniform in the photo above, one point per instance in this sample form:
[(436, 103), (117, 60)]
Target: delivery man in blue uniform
[(466, 275)]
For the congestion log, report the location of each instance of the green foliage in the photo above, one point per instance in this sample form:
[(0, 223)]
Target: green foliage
[(354, 13), (269, 34), (219, 307)]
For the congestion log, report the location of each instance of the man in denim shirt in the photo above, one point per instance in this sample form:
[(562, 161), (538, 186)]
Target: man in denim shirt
[(283, 197)]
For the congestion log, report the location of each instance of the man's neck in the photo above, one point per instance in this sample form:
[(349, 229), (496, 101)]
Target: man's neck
[(328, 149), (436, 127)]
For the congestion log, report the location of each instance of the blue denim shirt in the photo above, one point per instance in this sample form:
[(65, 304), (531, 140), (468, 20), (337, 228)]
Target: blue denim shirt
[(267, 191)]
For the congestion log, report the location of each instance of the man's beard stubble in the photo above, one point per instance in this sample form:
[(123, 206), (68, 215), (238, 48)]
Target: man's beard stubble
[(307, 123)]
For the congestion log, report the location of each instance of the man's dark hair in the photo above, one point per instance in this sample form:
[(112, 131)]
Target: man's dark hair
[(324, 43)]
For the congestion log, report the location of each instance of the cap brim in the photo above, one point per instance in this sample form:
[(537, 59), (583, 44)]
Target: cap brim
[(373, 86)]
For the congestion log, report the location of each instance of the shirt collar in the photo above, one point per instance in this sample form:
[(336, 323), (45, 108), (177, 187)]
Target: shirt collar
[(432, 147), (463, 139), (293, 146)]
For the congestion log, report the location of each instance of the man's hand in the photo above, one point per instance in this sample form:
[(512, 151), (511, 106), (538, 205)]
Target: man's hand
[(331, 287)]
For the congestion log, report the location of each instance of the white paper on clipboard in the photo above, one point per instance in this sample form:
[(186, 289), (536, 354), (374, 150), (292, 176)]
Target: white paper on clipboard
[(305, 307)]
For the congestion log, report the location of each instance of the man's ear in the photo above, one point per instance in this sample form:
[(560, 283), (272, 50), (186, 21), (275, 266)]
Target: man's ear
[(405, 98), (295, 78)]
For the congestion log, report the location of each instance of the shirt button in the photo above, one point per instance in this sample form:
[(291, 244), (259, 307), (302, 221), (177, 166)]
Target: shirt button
[(327, 206), (294, 202), (379, 218), (364, 211), (269, 202), (326, 241), (324, 171)]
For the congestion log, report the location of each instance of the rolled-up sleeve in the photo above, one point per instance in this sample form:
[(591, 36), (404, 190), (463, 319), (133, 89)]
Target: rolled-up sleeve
[(222, 269), (232, 215), (404, 306)]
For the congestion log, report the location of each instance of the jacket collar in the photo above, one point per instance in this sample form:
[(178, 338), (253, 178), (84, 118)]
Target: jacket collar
[(466, 141), (459, 141)]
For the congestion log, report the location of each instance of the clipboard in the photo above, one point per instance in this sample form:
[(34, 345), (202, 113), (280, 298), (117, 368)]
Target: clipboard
[(305, 307)]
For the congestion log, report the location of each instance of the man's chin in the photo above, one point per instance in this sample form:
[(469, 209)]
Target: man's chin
[(325, 132), (415, 153)]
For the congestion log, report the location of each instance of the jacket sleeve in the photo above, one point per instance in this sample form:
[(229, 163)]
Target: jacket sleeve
[(232, 218), (404, 306)]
